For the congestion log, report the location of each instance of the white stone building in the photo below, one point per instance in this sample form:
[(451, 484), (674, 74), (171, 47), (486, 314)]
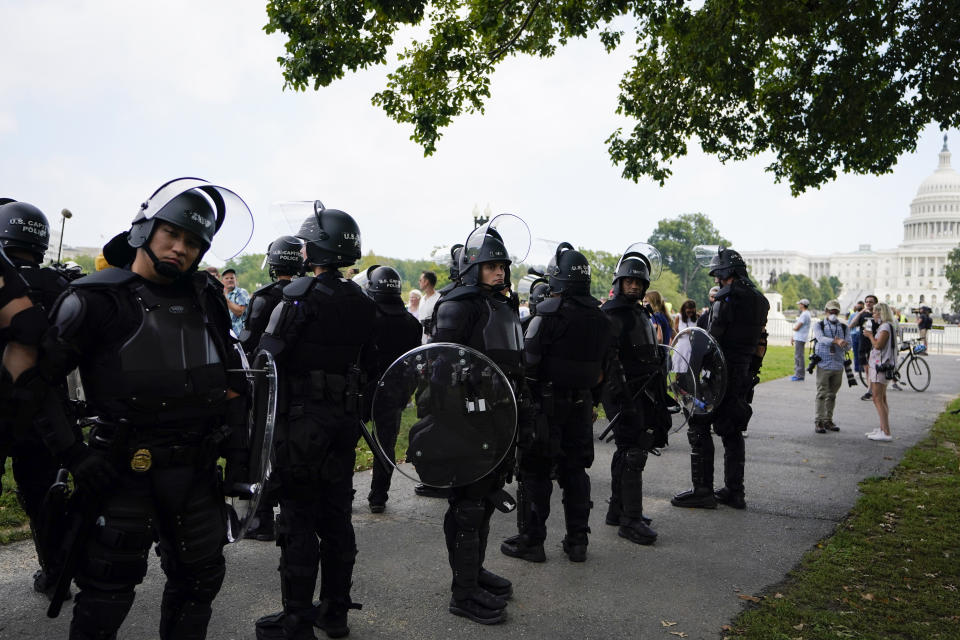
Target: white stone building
[(905, 277)]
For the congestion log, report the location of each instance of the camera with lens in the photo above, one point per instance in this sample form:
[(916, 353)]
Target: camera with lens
[(889, 370), (814, 359), (848, 369)]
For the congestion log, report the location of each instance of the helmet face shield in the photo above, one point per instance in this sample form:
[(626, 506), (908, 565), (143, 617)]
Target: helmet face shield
[(645, 252), (705, 253), (185, 201), (506, 238), (331, 236)]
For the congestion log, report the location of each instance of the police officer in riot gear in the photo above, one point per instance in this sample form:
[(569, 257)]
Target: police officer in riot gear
[(539, 290), (477, 314), (566, 347), (25, 236), (454, 273), (152, 342), (634, 379), (285, 257), (737, 322), (322, 339), (397, 331)]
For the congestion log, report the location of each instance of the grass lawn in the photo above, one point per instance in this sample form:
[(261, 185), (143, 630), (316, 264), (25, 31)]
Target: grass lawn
[(777, 363), (12, 518), (891, 570)]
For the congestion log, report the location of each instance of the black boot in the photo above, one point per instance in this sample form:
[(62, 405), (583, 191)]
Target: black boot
[(632, 525), (520, 546), (479, 606), (332, 618), (494, 584), (264, 529), (575, 546), (701, 472), (730, 498)]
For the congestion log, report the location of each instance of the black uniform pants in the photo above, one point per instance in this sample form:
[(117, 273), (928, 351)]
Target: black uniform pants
[(729, 422), (315, 454), (466, 527), (183, 508), (387, 428), (571, 434)]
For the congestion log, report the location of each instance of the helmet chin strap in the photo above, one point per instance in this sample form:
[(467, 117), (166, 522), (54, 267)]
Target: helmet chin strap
[(167, 270)]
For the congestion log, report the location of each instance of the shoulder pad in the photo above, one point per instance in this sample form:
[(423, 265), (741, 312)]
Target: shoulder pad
[(724, 291), (617, 302), (586, 301), (392, 308), (266, 289), (44, 279), (459, 293), (299, 288), (107, 278), (549, 306)]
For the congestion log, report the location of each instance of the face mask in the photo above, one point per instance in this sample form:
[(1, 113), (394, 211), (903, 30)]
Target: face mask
[(832, 317)]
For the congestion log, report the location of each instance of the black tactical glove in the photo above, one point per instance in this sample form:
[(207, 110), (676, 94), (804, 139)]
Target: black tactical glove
[(90, 468), (237, 474)]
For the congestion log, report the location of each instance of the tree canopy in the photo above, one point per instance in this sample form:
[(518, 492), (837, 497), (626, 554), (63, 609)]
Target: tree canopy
[(952, 273), (827, 87), (675, 239)]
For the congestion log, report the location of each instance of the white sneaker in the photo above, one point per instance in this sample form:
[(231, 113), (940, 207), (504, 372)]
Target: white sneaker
[(880, 437), (874, 432)]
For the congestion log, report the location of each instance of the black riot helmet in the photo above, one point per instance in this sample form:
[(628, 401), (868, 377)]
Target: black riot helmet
[(285, 256), (727, 263), (539, 290), (23, 226), (383, 283), (632, 265), (332, 237), (489, 249), (569, 271), (456, 252)]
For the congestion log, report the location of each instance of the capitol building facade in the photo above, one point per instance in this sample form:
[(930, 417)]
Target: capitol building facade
[(906, 277)]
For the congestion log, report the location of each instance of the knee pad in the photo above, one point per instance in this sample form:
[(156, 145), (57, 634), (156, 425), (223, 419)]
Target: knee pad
[(469, 514), (634, 460), (698, 437)]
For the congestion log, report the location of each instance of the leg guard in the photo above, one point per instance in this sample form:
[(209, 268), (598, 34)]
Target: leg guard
[(576, 500), (632, 526), (733, 464), (467, 517), (299, 556), (701, 472), (98, 614), (616, 468)]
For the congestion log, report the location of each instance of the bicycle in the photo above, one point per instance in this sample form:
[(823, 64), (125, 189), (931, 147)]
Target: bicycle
[(918, 371)]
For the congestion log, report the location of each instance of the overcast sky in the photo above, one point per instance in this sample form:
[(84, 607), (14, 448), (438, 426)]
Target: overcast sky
[(103, 101)]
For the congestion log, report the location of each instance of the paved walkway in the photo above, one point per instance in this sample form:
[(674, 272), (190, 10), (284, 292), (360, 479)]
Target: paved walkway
[(799, 485)]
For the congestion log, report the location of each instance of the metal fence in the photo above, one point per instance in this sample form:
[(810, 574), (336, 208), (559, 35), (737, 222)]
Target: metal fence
[(939, 339)]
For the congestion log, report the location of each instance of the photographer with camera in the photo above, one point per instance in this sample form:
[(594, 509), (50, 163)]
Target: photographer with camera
[(881, 366), (831, 343)]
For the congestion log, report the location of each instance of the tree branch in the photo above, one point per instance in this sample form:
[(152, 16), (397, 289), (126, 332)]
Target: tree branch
[(498, 52)]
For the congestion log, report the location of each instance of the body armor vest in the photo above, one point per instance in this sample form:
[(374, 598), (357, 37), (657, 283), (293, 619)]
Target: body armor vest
[(637, 343), (169, 369), (337, 319), (262, 304), (397, 332), (502, 335), (741, 311), (579, 337)]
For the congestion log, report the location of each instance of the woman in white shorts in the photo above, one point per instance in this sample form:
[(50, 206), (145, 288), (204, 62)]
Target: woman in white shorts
[(884, 352)]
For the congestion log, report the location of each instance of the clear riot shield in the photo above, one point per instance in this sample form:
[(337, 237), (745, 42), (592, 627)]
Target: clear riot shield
[(261, 423), (673, 388), (463, 413), (681, 387), (705, 361)]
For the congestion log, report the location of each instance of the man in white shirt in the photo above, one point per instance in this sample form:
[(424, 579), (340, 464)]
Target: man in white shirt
[(428, 300), (801, 331)]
